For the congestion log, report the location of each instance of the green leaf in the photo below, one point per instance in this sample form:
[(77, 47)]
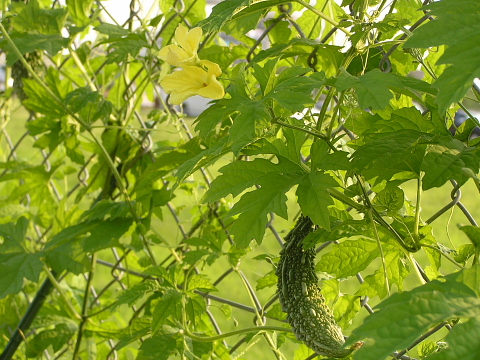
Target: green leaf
[(200, 282), (168, 305), (106, 234), (40, 100), (27, 43), (56, 337), (303, 352), (213, 115), (268, 280), (134, 293), (255, 206), (242, 131), (349, 257), (427, 347), (265, 74), (80, 11), (195, 308), (469, 277), (248, 17), (69, 256), (238, 176), (221, 13), (445, 160), (165, 163), (192, 257), (346, 308), (314, 199), (292, 101), (136, 329), (390, 199), (464, 252), (372, 88), (473, 234), (404, 118), (293, 89), (222, 55), (107, 209), (10, 212), (114, 31), (403, 317), (15, 268), (159, 347), (66, 250), (204, 158), (89, 104), (121, 48), (457, 25), (288, 151), (397, 271), (462, 342), (31, 17), (202, 349), (385, 155), (323, 160), (13, 236)]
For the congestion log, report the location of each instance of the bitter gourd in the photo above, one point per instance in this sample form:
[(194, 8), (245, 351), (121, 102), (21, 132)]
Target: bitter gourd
[(299, 294)]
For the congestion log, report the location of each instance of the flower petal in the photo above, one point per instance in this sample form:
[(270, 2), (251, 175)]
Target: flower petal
[(213, 68), (188, 40), (173, 54), (190, 78), (193, 80), (176, 98), (213, 90)]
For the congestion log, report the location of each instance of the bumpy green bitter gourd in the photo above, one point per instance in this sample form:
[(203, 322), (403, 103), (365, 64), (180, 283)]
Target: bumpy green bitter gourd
[(299, 293)]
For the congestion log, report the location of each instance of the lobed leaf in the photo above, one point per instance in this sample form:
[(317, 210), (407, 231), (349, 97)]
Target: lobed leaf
[(134, 293), (15, 268), (457, 26), (349, 257), (385, 155), (462, 342), (168, 305), (445, 160), (402, 318), (238, 176), (314, 199), (80, 11), (254, 207)]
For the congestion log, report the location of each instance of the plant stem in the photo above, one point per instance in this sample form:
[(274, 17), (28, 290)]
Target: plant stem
[(324, 108), (83, 323), (313, 133), (382, 255), (70, 308), (444, 255), (82, 69), (235, 332), (323, 16), (417, 211), (345, 199)]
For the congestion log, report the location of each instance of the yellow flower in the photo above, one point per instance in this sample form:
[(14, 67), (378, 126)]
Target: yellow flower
[(186, 52), (193, 80)]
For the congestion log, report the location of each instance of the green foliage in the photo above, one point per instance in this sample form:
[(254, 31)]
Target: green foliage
[(127, 232), (458, 23), (405, 316)]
